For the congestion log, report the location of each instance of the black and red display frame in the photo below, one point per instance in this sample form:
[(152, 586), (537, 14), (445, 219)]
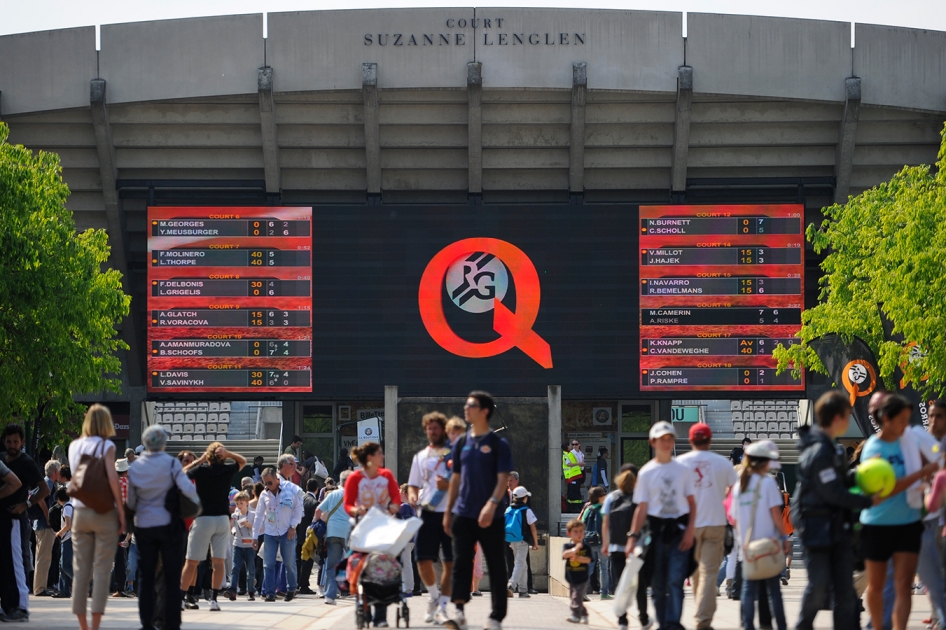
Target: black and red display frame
[(229, 299), (720, 287), (358, 301)]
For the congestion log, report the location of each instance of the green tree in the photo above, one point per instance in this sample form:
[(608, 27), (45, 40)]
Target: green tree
[(886, 246), (59, 304)]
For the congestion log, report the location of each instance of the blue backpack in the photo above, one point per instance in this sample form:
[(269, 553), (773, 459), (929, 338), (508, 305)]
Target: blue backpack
[(514, 523)]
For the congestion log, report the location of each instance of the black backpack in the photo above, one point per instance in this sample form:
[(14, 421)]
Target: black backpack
[(620, 518), (55, 516)]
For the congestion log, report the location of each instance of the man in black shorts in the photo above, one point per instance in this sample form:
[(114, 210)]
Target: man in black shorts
[(426, 491)]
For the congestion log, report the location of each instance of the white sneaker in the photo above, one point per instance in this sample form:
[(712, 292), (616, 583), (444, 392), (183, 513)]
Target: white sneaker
[(584, 620), (492, 624), (441, 617), (381, 624), (214, 605), (573, 619), (431, 611), (460, 619), (623, 626), (329, 601)]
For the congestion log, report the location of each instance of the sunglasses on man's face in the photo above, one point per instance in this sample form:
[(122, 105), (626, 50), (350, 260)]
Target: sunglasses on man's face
[(471, 406)]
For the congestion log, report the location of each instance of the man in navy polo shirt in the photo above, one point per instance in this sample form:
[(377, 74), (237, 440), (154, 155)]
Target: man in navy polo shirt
[(481, 464)]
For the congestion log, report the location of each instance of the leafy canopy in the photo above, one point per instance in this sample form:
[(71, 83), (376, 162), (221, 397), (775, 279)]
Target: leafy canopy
[(887, 246), (59, 304)]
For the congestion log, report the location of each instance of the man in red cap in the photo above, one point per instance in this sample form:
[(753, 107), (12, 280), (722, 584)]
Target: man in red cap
[(714, 475)]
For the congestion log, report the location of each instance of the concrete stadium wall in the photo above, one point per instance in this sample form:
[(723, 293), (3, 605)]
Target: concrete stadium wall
[(635, 51)]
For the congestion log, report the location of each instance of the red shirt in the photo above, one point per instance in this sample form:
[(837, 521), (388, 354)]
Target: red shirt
[(360, 491)]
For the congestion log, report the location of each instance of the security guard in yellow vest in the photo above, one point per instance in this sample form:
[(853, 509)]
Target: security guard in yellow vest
[(573, 476)]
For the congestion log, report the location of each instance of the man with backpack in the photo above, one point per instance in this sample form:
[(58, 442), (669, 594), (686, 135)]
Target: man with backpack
[(592, 519), (481, 464), (521, 535), (428, 476)]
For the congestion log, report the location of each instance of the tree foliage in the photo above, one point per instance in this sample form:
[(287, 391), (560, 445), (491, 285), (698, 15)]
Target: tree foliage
[(887, 246), (59, 304)]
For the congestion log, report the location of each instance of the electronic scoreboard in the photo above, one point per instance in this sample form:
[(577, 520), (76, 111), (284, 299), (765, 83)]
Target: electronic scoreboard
[(720, 288), (230, 300)]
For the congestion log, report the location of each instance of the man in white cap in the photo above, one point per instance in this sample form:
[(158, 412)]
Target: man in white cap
[(521, 536), (665, 500), (713, 476)]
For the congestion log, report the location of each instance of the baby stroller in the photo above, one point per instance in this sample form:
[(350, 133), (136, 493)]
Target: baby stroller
[(375, 580)]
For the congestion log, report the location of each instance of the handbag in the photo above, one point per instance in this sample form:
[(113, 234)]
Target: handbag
[(178, 504), (319, 469), (90, 483), (763, 558)]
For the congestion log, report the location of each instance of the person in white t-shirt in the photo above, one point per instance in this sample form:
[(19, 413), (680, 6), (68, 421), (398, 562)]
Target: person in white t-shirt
[(754, 481), (429, 473), (664, 496), (713, 476)]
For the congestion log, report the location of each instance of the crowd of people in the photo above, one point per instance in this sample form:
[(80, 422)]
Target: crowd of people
[(172, 530), (701, 519)]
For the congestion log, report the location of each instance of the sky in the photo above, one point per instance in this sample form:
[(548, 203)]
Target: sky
[(17, 16)]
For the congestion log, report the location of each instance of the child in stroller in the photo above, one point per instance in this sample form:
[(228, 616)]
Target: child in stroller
[(375, 580)]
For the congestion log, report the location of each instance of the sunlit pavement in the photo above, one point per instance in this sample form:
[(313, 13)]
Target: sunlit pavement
[(307, 612)]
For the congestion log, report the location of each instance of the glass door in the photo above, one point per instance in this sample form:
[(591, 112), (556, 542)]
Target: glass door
[(635, 420)]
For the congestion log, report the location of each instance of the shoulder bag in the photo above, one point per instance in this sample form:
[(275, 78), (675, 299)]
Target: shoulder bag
[(763, 558), (90, 483), (177, 503)]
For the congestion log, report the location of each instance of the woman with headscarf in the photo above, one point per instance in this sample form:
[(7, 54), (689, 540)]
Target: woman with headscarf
[(94, 535), (151, 477)]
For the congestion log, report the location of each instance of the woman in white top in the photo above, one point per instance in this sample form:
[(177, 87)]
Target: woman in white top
[(94, 535), (754, 478)]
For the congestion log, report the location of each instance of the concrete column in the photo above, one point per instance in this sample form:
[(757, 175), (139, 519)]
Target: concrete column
[(474, 91), (576, 145), (555, 457), (845, 154), (681, 130), (109, 174), (267, 118), (390, 427), (369, 87)]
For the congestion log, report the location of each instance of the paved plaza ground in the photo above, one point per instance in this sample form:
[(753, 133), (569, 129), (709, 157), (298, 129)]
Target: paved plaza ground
[(309, 613)]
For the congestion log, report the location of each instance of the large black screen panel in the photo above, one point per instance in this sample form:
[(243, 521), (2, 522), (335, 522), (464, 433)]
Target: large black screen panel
[(439, 300)]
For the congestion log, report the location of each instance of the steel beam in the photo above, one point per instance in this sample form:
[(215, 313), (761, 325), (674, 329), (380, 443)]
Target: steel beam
[(576, 144), (267, 119), (474, 92), (681, 130), (845, 155), (369, 88)]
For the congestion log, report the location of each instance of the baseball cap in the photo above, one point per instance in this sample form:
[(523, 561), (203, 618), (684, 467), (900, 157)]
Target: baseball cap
[(520, 492), (661, 429), (764, 449), (700, 432), (121, 465)]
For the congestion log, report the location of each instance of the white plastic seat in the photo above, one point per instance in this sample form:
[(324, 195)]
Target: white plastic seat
[(759, 416), (782, 416), (190, 417), (212, 417), (749, 426), (187, 438), (224, 416), (200, 428), (223, 428), (784, 427), (180, 404), (203, 404), (772, 427), (201, 417), (175, 438), (221, 438), (224, 406), (211, 428), (214, 406), (770, 416), (738, 427), (177, 428), (763, 436), (737, 416), (753, 437), (740, 436), (178, 417), (188, 428), (734, 405), (198, 438)]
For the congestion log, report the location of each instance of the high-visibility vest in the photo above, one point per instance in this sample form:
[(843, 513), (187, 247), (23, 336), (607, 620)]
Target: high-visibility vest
[(570, 466)]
